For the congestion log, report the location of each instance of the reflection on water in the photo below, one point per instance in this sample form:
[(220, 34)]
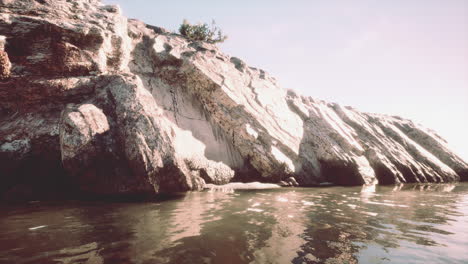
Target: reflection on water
[(372, 224)]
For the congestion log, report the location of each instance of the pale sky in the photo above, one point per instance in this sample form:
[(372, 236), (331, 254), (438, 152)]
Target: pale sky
[(398, 57)]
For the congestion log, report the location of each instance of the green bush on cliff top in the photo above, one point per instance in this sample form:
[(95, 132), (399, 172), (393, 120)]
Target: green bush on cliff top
[(202, 32)]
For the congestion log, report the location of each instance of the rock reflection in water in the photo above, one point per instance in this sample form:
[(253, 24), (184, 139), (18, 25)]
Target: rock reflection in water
[(229, 235), (372, 224)]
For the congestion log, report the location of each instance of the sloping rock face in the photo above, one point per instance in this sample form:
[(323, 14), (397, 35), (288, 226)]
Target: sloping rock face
[(102, 105)]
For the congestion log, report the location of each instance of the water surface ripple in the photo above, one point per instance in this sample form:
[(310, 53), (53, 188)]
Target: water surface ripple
[(380, 224)]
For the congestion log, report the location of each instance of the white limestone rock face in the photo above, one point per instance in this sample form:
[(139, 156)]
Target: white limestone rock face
[(151, 142), (80, 125), (112, 106), (132, 148), (281, 133)]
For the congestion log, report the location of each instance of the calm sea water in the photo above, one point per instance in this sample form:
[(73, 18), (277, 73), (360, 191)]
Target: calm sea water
[(403, 224)]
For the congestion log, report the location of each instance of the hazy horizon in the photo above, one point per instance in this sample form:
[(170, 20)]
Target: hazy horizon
[(398, 58)]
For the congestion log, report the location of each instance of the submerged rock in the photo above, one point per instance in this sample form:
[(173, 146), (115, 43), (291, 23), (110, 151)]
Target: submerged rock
[(289, 182), (113, 106)]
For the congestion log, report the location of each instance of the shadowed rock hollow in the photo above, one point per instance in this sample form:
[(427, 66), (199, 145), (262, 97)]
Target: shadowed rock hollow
[(102, 105)]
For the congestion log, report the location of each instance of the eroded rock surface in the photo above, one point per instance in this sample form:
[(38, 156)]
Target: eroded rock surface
[(109, 106), (5, 65)]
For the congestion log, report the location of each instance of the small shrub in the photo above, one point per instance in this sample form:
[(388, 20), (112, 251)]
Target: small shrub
[(202, 32)]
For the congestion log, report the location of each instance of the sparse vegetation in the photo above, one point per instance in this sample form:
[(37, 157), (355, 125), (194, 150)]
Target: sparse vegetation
[(202, 32)]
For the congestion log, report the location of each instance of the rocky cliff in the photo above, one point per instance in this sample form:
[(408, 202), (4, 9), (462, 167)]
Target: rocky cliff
[(97, 103)]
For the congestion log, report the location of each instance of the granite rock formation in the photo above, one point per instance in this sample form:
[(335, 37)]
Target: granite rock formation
[(107, 105)]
